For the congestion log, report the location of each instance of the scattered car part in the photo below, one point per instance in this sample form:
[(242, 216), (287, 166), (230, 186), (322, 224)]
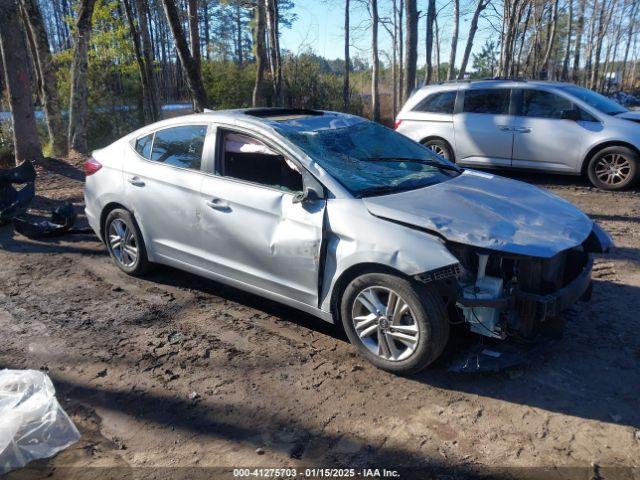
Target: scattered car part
[(62, 220), (15, 201), (32, 423)]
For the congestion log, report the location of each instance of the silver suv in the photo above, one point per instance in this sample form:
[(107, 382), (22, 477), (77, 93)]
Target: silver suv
[(554, 127)]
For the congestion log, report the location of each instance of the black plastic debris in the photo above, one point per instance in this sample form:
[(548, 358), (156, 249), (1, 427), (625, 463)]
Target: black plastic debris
[(17, 189), (62, 220), (483, 358)]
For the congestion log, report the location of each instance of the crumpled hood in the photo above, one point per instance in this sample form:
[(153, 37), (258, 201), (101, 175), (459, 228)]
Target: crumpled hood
[(634, 116), (490, 212)]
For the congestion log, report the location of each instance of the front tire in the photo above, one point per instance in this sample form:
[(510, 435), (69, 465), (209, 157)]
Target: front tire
[(397, 327), (614, 168), (125, 243)]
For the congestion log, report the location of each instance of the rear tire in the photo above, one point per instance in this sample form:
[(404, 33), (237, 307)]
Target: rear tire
[(439, 147), (410, 329), (614, 168), (125, 243)]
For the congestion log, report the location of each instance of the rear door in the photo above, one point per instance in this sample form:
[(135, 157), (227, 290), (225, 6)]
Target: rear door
[(252, 228), (162, 182), (483, 127), (542, 139)]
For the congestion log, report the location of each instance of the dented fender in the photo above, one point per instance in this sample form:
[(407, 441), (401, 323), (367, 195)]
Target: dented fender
[(353, 237)]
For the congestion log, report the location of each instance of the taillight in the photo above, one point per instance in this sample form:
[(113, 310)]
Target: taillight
[(91, 166), (397, 124)]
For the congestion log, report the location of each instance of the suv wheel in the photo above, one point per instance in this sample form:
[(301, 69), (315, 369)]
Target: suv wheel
[(395, 326), (439, 147), (124, 242), (614, 168)]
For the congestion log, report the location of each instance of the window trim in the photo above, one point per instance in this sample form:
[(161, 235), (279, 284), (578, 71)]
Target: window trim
[(217, 156), (205, 148)]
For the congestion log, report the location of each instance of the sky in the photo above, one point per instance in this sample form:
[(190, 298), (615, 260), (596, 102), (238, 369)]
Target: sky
[(320, 27)]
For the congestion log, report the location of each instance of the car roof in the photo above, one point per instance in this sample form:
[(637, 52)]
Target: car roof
[(492, 82)]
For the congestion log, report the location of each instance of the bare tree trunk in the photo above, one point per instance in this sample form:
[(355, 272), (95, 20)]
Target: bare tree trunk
[(346, 89), (575, 75), (48, 83), (567, 53), (551, 38), (258, 40), (375, 67), (147, 108), (595, 70), (238, 20), (194, 33), (451, 72), (79, 89), (436, 31), (523, 36), (149, 60), (411, 47), (431, 16), (401, 97), (394, 60), (16, 72), (274, 48), (480, 6), (190, 66), (631, 32)]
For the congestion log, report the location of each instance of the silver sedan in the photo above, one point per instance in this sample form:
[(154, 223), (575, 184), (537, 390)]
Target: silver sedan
[(345, 219)]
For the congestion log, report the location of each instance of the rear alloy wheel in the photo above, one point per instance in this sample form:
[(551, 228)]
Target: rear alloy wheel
[(439, 147), (124, 242), (396, 326), (614, 168)]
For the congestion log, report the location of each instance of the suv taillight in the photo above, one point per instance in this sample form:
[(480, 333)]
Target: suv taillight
[(397, 124), (91, 166)]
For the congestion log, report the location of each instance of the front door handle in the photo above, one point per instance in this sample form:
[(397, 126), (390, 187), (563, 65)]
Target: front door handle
[(217, 204), (522, 129), (136, 181)]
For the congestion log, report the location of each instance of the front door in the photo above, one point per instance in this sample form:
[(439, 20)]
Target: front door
[(162, 185), (542, 139), (483, 129), (252, 228)]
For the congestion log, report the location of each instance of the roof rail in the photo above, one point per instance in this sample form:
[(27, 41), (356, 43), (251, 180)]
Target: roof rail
[(265, 112), (486, 79)]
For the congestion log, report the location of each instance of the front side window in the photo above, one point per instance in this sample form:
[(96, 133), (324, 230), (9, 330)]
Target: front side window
[(493, 101), (365, 157), (541, 104), (247, 158), (441, 102), (180, 146), (143, 145), (595, 100)]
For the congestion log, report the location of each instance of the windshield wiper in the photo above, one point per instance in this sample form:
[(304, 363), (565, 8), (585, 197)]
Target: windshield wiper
[(442, 166)]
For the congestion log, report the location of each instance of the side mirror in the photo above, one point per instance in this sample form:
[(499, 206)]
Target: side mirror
[(310, 194), (572, 114)]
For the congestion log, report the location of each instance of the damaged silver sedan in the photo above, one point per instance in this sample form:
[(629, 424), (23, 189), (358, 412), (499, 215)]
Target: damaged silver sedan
[(344, 219)]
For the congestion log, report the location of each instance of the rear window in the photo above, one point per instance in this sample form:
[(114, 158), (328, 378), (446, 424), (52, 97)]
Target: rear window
[(143, 145), (441, 102), (493, 101)]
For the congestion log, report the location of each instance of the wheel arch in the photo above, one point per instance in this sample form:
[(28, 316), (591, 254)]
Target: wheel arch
[(601, 146), (438, 137)]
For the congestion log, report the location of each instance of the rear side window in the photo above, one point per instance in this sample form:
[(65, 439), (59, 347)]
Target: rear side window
[(541, 104), (493, 101), (441, 102), (180, 146), (143, 145)]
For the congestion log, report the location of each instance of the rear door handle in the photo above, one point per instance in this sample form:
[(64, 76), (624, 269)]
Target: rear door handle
[(505, 128), (136, 181), (217, 204), (522, 129)]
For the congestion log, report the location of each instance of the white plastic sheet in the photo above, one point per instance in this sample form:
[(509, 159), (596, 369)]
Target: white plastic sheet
[(32, 423)]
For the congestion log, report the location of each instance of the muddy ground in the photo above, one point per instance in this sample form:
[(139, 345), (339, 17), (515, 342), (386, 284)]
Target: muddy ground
[(171, 373)]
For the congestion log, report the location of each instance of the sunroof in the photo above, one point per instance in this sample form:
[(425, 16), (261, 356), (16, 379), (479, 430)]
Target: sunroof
[(283, 114)]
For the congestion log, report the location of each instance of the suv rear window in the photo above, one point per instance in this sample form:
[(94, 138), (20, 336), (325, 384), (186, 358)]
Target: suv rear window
[(441, 102), (491, 100)]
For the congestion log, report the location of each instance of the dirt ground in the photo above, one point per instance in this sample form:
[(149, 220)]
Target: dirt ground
[(172, 373)]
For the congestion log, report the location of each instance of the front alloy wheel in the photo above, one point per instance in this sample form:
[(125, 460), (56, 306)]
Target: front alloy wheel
[(614, 168), (398, 325), (385, 323)]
